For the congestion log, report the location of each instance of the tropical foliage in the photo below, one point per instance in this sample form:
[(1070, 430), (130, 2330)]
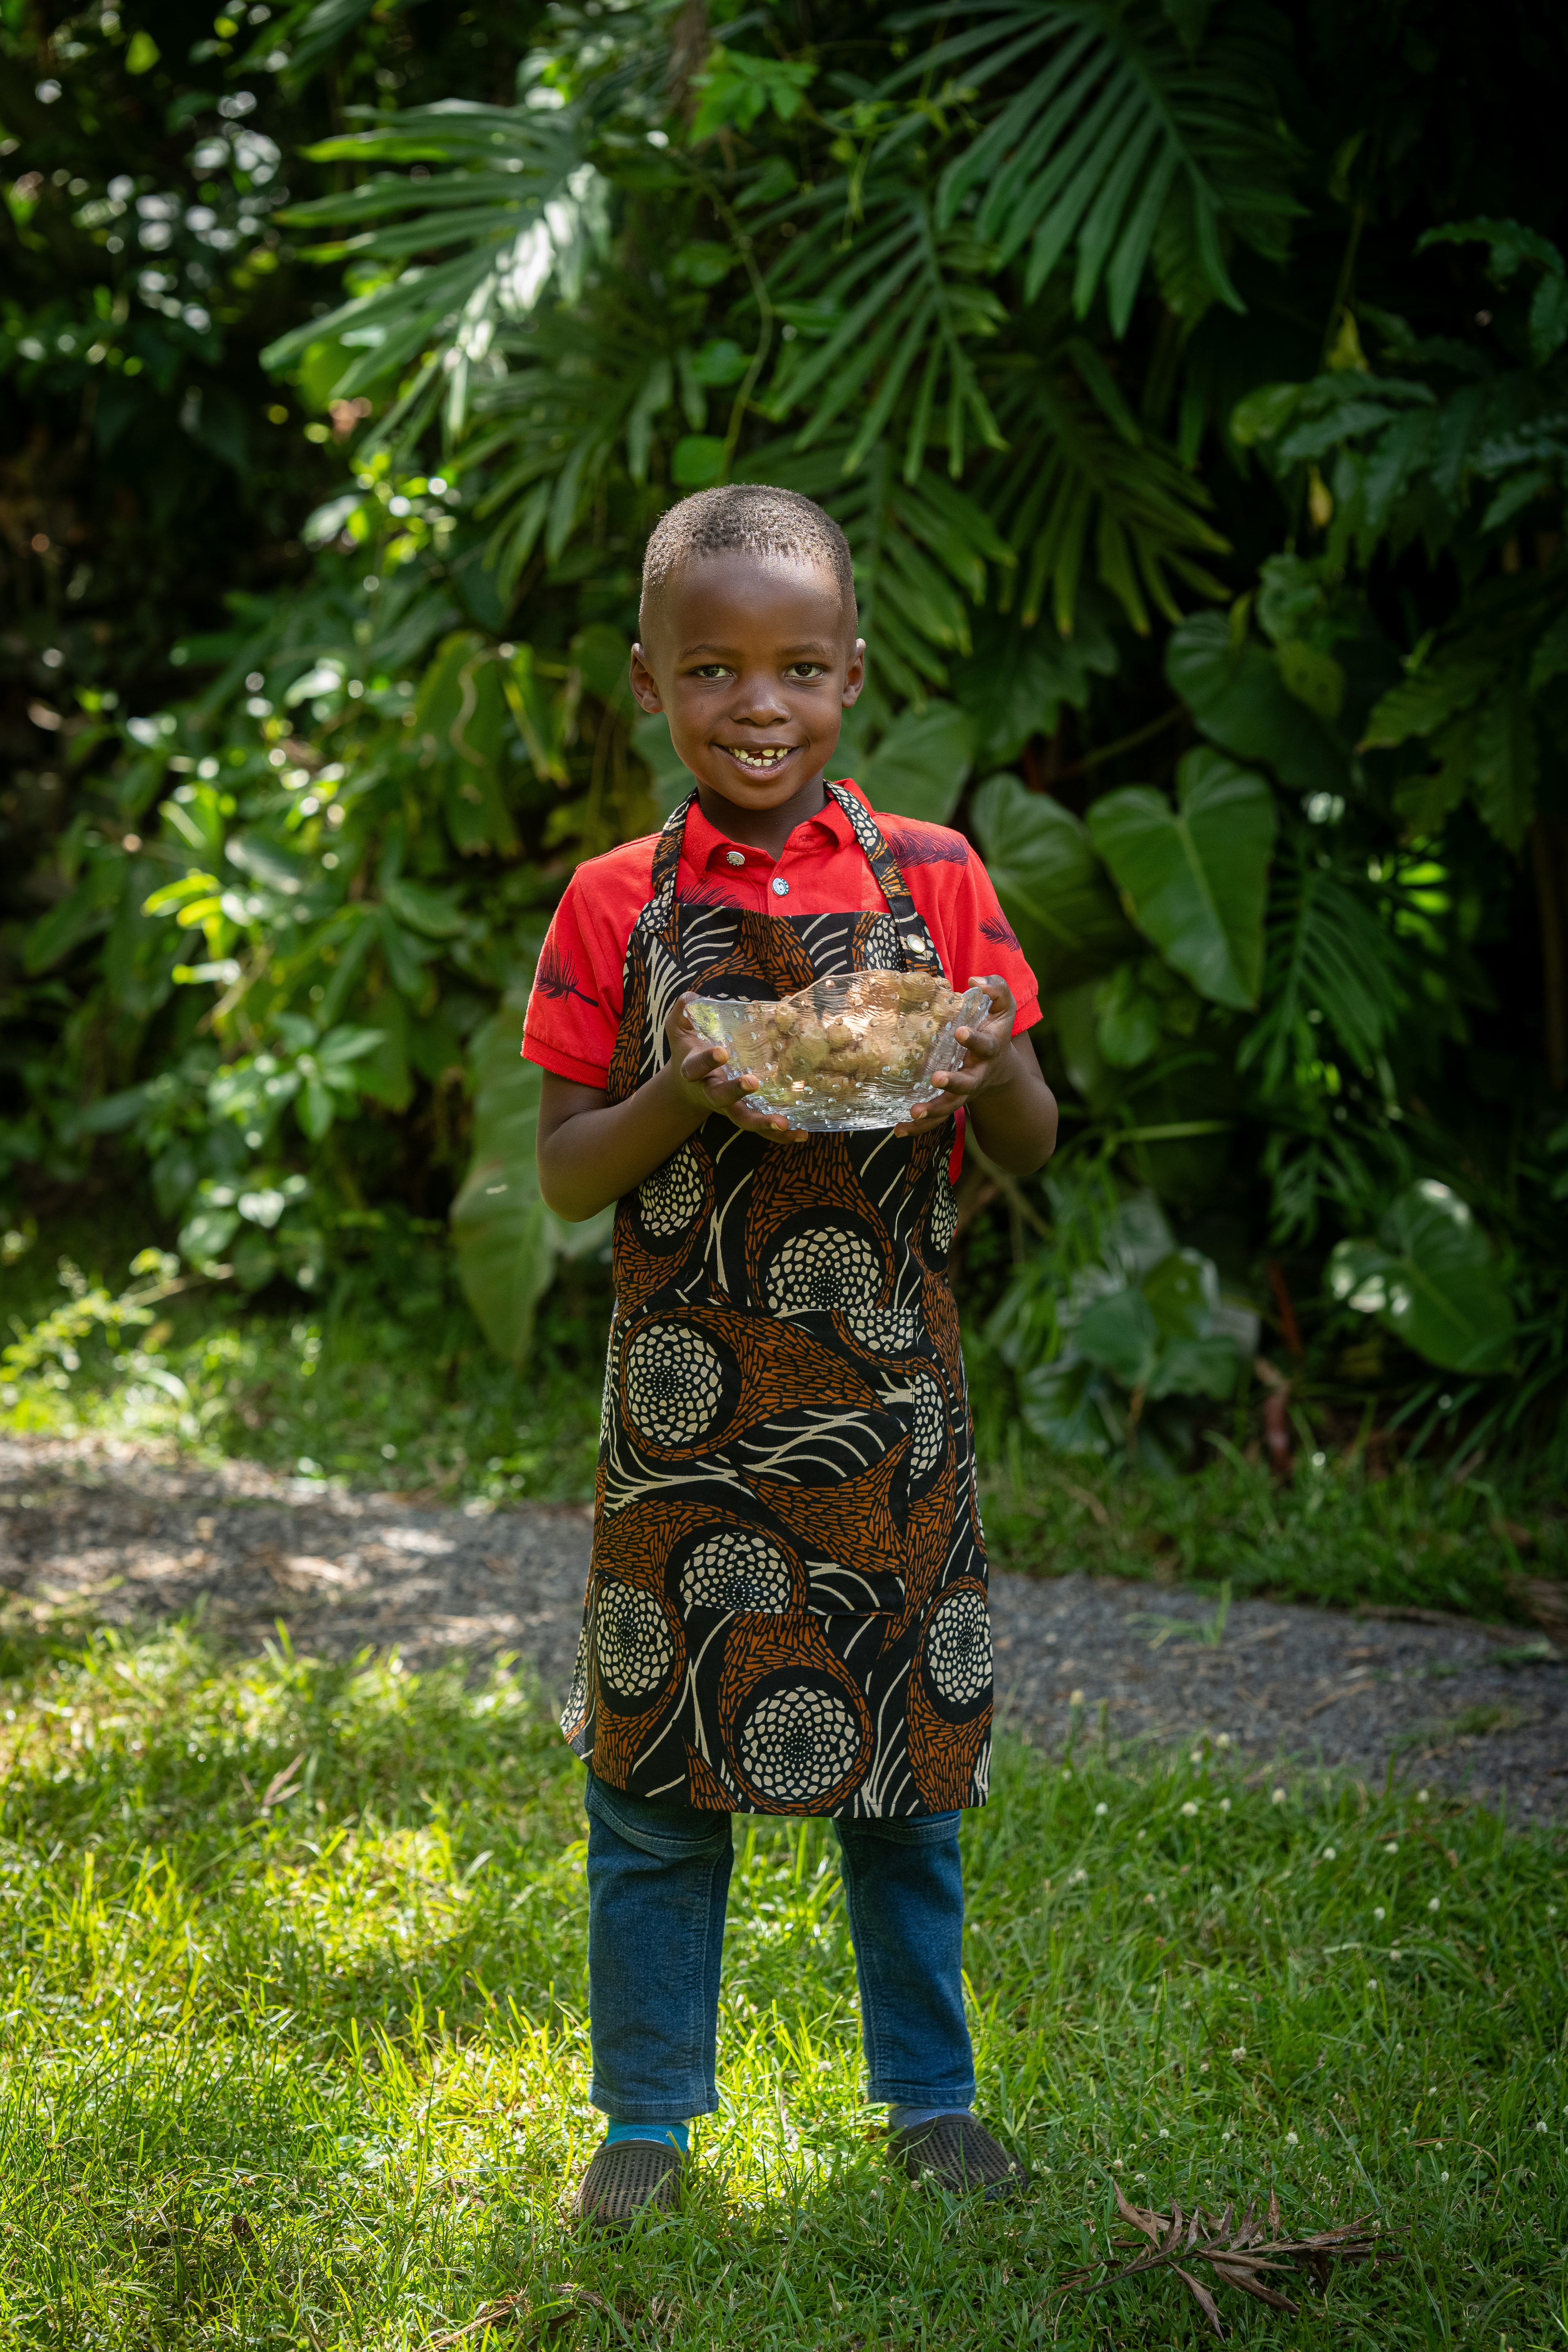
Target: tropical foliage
[(1194, 396)]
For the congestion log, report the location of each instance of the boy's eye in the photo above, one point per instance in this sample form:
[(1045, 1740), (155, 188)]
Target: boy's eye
[(806, 669), (712, 669)]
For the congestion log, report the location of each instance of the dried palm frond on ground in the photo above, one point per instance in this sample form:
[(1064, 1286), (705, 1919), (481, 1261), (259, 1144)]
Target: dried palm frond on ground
[(1237, 2252)]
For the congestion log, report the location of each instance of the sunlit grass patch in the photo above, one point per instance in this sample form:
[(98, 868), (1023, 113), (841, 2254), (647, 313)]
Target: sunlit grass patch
[(312, 2071)]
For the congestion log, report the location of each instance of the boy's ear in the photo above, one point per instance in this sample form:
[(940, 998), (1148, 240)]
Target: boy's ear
[(853, 675), (645, 686)]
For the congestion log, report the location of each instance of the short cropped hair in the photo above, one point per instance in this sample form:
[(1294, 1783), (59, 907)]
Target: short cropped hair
[(757, 521)]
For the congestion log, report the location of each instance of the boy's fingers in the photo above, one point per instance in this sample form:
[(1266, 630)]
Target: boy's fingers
[(987, 1043), (775, 1125)]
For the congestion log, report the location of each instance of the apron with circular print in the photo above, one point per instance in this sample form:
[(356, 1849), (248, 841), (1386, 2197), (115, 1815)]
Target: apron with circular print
[(786, 1607)]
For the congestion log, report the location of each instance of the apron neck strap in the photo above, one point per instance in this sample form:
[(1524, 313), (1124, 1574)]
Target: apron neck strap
[(878, 857)]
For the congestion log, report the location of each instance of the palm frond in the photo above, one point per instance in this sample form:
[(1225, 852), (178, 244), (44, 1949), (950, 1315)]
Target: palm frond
[(1332, 966), (584, 389), (1118, 146), (897, 315), (921, 556), (518, 201), (1083, 483)]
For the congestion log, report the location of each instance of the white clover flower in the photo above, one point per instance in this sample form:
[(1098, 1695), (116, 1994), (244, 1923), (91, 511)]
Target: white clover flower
[(1372, 1984), (1394, 1955), (1442, 2176), (1224, 1740), (1102, 1809), (1148, 1898), (1225, 1804), (1142, 1834), (1541, 2127), (1197, 1756), (1240, 2052), (1291, 2140), (1551, 1910), (1202, 2066), (1391, 1847), (1378, 1912), (1116, 2164), (1189, 1808), (1074, 1699), (1163, 2134), (1329, 1853), (1077, 1877), (1422, 1795), (1278, 1796), (1435, 1904)]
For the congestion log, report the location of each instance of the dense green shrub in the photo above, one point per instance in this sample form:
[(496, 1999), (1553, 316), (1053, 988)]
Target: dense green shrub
[(1194, 402)]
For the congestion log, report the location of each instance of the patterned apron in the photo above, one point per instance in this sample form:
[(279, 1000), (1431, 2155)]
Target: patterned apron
[(786, 1607)]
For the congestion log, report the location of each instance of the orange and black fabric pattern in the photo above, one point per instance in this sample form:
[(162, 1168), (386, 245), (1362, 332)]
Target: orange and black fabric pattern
[(786, 1609)]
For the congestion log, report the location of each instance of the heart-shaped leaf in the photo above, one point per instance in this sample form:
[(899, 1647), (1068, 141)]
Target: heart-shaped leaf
[(1195, 878), (921, 764), (1043, 863), (507, 1239), (1432, 1279)]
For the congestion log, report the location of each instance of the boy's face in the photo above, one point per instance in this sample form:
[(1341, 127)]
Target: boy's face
[(752, 661)]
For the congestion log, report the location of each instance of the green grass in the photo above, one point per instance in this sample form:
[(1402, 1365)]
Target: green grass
[(1334, 1533), (314, 2076)]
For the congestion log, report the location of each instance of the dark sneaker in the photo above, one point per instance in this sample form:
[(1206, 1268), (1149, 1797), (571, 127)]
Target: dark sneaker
[(627, 2177), (960, 2154)]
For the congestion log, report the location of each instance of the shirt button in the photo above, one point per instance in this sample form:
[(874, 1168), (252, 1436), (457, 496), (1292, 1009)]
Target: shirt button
[(780, 887), (734, 857)]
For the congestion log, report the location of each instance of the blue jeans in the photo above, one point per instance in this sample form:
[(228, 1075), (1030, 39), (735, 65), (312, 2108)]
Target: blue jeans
[(657, 1879)]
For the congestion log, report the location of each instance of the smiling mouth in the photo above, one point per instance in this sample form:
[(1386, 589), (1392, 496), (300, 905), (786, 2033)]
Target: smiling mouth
[(761, 759)]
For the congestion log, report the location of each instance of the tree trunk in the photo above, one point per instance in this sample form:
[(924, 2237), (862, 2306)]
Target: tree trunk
[(1549, 854)]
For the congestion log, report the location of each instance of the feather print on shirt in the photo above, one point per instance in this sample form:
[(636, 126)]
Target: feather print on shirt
[(933, 845), (556, 975)]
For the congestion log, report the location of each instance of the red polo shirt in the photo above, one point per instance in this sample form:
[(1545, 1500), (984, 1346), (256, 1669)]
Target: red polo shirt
[(574, 1010)]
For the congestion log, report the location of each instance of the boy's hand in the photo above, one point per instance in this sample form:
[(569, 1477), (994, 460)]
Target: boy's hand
[(988, 1059), (704, 1077)]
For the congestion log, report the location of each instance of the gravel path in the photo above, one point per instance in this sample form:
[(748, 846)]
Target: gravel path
[(130, 1538)]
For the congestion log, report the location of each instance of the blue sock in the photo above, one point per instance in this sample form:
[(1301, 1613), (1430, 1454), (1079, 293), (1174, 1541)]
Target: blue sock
[(677, 2135), (906, 2118)]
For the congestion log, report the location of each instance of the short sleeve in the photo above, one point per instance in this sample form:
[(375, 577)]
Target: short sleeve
[(574, 1008), (981, 940), (958, 901)]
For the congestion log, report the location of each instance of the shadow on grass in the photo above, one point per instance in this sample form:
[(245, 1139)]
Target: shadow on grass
[(312, 2071)]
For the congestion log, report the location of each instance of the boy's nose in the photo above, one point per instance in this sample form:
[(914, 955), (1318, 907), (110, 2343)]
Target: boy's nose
[(758, 700)]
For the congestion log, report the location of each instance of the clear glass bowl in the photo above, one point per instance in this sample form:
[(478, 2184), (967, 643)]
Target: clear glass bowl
[(856, 1050)]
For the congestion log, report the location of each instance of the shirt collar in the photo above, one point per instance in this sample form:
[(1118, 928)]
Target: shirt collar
[(705, 846)]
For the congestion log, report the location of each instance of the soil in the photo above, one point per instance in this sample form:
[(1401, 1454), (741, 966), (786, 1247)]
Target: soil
[(110, 1533)]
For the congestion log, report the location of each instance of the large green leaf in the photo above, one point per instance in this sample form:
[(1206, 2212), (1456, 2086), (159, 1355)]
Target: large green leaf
[(1195, 878), (921, 764), (1241, 702), (1432, 1279), (1047, 876), (507, 1239)]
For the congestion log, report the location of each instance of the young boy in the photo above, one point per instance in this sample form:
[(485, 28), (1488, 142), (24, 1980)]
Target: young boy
[(786, 1607)]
